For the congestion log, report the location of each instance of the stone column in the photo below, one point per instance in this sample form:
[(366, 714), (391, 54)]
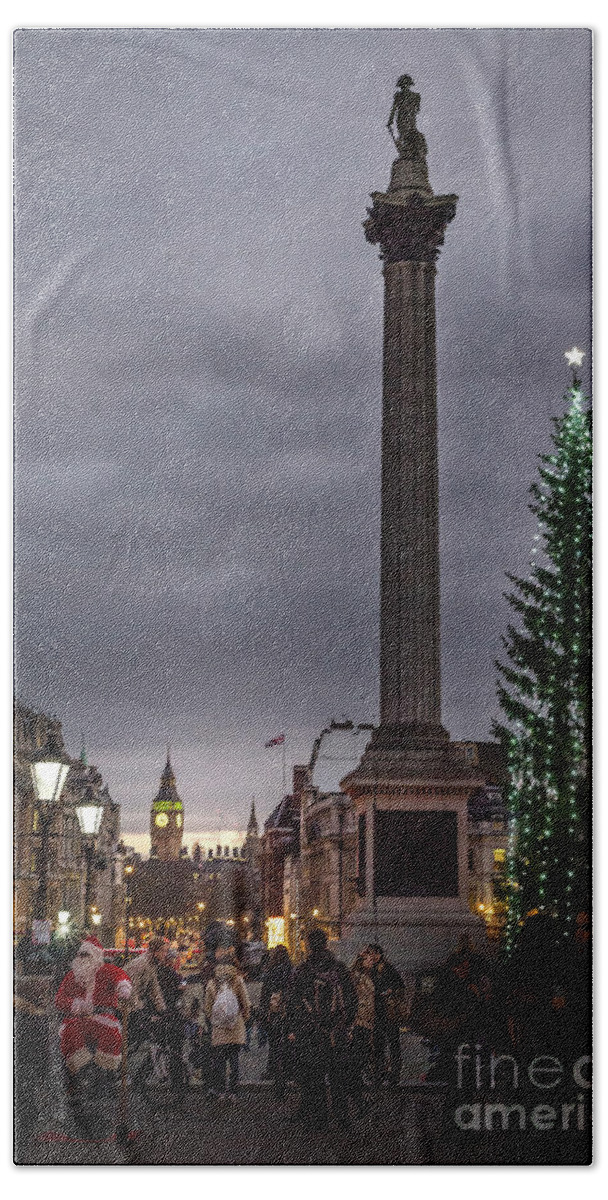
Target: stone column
[(412, 785), (409, 621), (409, 226)]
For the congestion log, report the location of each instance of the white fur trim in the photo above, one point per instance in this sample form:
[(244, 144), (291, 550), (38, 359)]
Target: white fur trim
[(81, 1007), (124, 989)]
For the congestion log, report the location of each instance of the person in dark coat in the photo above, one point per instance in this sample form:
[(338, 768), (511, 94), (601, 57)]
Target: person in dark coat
[(172, 987), (362, 1033), (389, 997), (321, 1009), (277, 983)]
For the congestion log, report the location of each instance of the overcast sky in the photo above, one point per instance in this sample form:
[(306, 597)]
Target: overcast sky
[(198, 369)]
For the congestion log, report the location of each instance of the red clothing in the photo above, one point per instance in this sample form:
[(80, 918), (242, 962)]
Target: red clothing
[(84, 1037), (104, 990)]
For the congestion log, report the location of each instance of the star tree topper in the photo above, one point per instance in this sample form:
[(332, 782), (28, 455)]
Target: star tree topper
[(574, 357)]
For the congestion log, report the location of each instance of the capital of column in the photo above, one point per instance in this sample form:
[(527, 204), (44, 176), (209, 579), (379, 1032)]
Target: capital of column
[(409, 229)]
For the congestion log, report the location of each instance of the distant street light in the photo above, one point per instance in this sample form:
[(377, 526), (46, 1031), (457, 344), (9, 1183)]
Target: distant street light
[(89, 813), (49, 770), (201, 909), (127, 872), (63, 918)]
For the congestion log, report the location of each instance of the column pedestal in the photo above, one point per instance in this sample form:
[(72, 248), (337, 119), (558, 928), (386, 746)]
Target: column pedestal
[(410, 794)]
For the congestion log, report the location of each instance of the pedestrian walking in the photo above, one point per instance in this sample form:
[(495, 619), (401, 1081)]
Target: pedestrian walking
[(172, 1025), (363, 1028), (147, 1000), (227, 1008), (320, 1011), (389, 1003), (277, 983)]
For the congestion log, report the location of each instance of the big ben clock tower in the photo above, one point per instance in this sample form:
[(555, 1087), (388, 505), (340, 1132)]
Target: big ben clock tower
[(167, 818)]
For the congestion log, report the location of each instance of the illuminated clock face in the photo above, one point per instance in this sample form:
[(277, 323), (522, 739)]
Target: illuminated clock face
[(162, 820), (178, 820)]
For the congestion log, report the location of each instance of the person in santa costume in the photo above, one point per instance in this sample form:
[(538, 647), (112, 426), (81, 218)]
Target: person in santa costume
[(89, 997)]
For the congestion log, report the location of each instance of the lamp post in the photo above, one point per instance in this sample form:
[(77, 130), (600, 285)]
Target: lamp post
[(89, 814), (201, 909), (49, 770), (128, 871)]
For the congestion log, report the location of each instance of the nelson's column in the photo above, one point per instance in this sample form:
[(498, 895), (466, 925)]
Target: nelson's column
[(411, 788)]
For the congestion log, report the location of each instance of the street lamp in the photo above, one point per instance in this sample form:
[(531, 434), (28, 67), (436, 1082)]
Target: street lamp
[(89, 814), (128, 873), (49, 770), (63, 918), (201, 909)]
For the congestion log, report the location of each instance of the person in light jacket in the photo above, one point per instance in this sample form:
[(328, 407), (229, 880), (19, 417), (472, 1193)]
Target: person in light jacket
[(147, 1001), (227, 1041)]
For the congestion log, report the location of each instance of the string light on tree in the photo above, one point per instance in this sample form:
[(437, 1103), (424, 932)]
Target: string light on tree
[(544, 687)]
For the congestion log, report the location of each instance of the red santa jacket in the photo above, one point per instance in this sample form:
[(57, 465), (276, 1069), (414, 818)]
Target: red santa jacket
[(104, 990)]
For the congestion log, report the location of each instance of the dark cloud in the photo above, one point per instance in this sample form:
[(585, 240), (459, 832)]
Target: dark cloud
[(198, 349)]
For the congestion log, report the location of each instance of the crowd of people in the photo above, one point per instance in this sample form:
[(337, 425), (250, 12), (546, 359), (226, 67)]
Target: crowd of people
[(331, 1031)]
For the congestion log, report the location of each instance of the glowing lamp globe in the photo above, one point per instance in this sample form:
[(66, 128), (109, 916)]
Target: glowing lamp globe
[(49, 771), (89, 815)]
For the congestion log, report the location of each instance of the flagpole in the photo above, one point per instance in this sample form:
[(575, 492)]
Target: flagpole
[(283, 745)]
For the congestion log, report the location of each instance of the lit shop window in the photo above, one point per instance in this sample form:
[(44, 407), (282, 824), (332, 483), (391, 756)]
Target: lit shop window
[(276, 932)]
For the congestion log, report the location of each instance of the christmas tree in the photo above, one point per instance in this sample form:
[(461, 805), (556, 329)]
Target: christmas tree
[(544, 689)]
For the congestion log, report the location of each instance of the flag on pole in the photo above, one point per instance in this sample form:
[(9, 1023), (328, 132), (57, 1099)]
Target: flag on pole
[(279, 740)]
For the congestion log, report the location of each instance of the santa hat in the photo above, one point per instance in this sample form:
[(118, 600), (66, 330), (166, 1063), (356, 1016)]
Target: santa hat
[(95, 948), (93, 940)]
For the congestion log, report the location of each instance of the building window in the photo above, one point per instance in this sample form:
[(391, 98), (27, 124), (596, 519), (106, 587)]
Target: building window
[(235, 851), (471, 860), (226, 851), (499, 859), (210, 854), (276, 931), (218, 851)]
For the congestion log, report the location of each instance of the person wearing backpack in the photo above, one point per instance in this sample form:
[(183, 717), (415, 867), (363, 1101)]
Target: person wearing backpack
[(227, 1008), (320, 1012)]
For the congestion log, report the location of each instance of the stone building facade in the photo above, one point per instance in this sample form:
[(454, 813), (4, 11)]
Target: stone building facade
[(280, 840), (66, 871), (311, 844), (489, 830), (328, 827)]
